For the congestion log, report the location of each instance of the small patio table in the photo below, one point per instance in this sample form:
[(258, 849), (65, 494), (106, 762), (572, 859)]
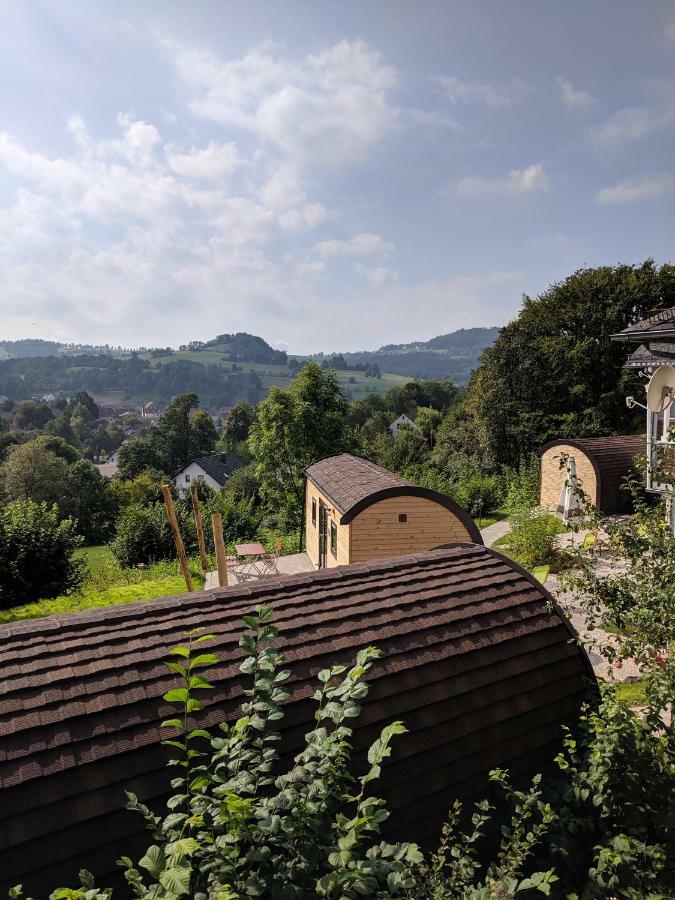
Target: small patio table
[(250, 556)]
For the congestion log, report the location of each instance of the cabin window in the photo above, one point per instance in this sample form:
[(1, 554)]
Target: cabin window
[(403, 517), (187, 478), (314, 511), (333, 539)]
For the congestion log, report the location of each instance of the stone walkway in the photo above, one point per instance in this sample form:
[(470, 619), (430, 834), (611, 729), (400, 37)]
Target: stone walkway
[(494, 532)]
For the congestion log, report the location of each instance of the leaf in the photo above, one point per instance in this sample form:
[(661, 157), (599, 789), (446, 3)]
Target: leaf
[(204, 659), (205, 637), (196, 682), (176, 880), (177, 668), (180, 651), (177, 695), (171, 723), (154, 861)]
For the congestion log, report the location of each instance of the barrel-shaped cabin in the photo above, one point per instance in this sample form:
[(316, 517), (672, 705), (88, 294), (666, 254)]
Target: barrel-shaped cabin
[(476, 660), (602, 464), (356, 511)]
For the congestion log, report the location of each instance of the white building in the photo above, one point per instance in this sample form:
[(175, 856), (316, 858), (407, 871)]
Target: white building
[(405, 420), (213, 470)]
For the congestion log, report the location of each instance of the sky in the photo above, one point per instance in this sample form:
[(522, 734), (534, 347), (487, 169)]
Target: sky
[(331, 175)]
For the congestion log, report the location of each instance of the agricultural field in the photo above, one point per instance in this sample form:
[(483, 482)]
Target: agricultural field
[(272, 374)]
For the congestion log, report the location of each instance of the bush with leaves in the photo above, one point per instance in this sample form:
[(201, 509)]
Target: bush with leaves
[(36, 549), (532, 538), (479, 494), (143, 535)]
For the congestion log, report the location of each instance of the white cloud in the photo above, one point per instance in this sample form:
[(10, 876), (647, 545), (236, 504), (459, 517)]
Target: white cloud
[(518, 183), (325, 109), (634, 122), (302, 219), (215, 162), (638, 189), (363, 244), (283, 188), (462, 93), (377, 275), (571, 97)]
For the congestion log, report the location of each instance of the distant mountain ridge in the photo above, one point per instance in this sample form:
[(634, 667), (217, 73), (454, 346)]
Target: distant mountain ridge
[(33, 366), (454, 355)]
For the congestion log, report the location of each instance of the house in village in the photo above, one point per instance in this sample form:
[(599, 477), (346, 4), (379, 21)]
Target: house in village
[(213, 470), (405, 420), (357, 511), (224, 415), (478, 661)]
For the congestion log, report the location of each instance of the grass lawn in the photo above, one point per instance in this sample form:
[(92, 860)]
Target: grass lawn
[(108, 585), (97, 558), (631, 692), (494, 515)]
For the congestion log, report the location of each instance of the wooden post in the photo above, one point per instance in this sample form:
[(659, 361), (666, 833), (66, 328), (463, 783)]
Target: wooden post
[(200, 530), (180, 549), (219, 543)]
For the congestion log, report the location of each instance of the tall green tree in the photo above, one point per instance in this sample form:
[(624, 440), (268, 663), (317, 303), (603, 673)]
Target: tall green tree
[(203, 433), (554, 372), (238, 426), (173, 434), (295, 427), (32, 472)]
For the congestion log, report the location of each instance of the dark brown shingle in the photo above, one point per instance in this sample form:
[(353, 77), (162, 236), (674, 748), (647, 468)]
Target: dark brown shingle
[(480, 668), (348, 479)]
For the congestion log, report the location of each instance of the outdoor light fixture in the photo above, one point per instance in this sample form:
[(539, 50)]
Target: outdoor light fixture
[(631, 403)]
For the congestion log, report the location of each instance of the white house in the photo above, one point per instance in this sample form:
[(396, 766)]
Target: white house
[(405, 420), (213, 470)]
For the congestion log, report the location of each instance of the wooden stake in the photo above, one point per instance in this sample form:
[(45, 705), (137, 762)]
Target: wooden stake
[(180, 548), (200, 531), (219, 543)]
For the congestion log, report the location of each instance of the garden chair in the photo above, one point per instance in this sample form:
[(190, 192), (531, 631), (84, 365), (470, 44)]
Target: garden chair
[(269, 560)]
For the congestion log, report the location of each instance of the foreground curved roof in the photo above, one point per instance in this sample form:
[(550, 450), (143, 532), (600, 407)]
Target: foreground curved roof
[(477, 662), (353, 483)]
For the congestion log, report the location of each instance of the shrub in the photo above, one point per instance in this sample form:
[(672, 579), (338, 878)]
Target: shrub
[(522, 486), (479, 493), (143, 534), (532, 539), (36, 549)]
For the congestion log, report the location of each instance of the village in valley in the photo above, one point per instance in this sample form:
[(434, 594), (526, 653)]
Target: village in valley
[(281, 617)]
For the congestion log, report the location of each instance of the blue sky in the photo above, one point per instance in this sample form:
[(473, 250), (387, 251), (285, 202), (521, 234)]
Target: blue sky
[(330, 175)]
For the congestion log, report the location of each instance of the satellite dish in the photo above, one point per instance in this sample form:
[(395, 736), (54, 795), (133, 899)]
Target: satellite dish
[(661, 389)]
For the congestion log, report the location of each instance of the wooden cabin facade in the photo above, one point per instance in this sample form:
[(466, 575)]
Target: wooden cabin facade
[(601, 466), (356, 511)]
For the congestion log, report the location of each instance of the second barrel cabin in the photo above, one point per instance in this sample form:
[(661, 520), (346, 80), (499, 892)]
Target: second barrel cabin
[(356, 511)]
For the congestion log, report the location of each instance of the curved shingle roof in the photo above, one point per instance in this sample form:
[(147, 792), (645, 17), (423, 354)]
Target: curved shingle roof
[(476, 661), (352, 483), (612, 459)]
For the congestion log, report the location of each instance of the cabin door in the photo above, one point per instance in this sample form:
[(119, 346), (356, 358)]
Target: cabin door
[(323, 534)]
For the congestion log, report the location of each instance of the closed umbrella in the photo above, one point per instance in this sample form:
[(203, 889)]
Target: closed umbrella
[(569, 504)]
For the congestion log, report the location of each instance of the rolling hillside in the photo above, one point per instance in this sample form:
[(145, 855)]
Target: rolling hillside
[(454, 355)]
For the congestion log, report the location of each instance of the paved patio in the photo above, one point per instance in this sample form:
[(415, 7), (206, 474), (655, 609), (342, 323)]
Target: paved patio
[(293, 564)]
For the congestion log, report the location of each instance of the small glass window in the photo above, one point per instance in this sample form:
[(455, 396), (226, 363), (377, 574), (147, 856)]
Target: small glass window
[(187, 478), (403, 517), (333, 538), (314, 512)]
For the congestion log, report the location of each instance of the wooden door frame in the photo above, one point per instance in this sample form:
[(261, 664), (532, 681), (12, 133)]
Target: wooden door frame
[(323, 534)]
